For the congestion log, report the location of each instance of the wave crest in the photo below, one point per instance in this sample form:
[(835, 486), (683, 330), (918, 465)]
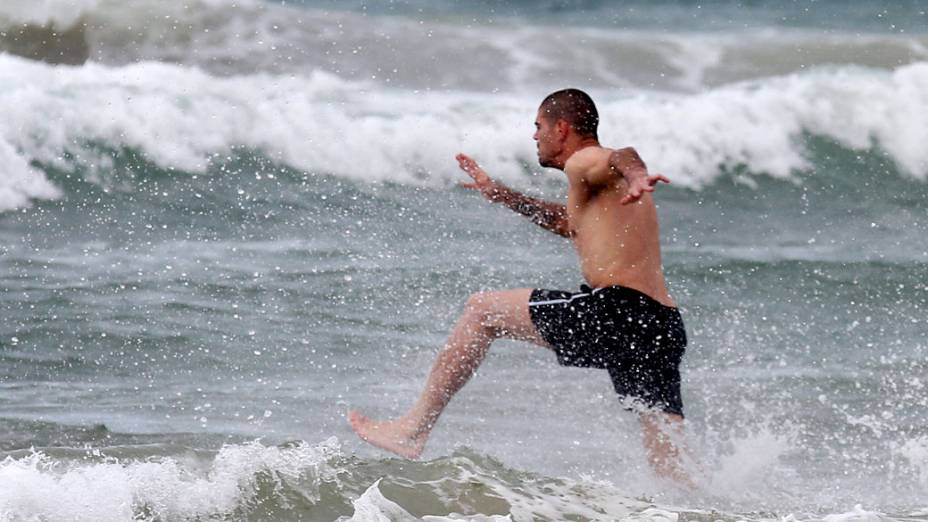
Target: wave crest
[(40, 487), (183, 119)]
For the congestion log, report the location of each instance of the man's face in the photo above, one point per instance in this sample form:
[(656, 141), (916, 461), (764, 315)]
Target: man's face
[(547, 139)]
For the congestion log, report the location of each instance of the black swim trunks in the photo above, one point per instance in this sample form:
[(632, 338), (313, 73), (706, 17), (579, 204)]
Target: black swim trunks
[(636, 339)]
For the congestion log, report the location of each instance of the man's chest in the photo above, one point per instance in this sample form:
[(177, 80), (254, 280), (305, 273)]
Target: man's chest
[(591, 213)]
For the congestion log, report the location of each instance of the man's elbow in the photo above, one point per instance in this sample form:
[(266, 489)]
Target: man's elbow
[(627, 155), (626, 160), (563, 229)]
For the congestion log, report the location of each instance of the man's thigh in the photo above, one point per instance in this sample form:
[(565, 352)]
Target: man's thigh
[(508, 311)]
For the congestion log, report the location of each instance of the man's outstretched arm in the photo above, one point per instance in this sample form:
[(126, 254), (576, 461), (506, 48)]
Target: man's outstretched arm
[(628, 164), (550, 216)]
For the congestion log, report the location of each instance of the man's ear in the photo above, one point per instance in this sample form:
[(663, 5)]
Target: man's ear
[(563, 129)]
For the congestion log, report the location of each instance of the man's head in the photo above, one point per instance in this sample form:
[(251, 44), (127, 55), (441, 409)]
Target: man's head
[(564, 116)]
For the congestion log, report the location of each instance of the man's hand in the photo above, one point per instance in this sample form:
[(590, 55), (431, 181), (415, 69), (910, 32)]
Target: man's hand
[(628, 164), (550, 216), (490, 189), (637, 186)]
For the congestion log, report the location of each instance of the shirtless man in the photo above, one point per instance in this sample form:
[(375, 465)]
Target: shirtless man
[(622, 320)]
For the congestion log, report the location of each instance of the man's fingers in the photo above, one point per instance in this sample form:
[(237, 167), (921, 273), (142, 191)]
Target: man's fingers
[(468, 165), (471, 168), (466, 162), (640, 186)]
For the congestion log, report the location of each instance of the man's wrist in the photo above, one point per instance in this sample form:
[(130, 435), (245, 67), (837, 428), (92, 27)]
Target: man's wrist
[(635, 173), (501, 193)]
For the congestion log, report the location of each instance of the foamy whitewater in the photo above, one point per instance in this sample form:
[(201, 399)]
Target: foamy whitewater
[(223, 223)]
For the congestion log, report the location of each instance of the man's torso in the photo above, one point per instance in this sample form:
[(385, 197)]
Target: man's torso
[(617, 244)]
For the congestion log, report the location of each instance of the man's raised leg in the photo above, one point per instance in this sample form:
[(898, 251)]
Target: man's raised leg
[(487, 317)]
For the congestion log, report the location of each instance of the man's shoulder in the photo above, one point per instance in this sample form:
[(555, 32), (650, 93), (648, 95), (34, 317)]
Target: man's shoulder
[(588, 159), (590, 153)]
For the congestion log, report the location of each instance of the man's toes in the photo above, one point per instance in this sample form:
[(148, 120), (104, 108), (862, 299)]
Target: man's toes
[(356, 419)]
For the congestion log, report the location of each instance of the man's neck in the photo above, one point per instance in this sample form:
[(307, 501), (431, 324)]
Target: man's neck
[(586, 142), (575, 146)]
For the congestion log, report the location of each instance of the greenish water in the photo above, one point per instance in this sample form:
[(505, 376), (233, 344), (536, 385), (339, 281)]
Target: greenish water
[(212, 245)]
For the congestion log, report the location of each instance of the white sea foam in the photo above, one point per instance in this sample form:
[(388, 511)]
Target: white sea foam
[(760, 125), (915, 451), (182, 118), (752, 466), (858, 514), (20, 183), (38, 487)]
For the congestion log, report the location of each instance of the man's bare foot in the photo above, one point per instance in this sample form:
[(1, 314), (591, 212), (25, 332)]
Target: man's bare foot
[(397, 436)]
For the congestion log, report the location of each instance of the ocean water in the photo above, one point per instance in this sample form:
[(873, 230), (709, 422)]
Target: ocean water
[(223, 223)]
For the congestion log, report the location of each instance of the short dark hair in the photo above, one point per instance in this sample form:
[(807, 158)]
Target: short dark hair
[(575, 107)]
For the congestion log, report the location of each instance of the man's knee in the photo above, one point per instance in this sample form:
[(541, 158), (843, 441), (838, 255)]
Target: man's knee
[(483, 308)]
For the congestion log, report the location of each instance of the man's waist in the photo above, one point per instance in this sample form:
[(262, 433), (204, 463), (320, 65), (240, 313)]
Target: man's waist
[(594, 286)]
